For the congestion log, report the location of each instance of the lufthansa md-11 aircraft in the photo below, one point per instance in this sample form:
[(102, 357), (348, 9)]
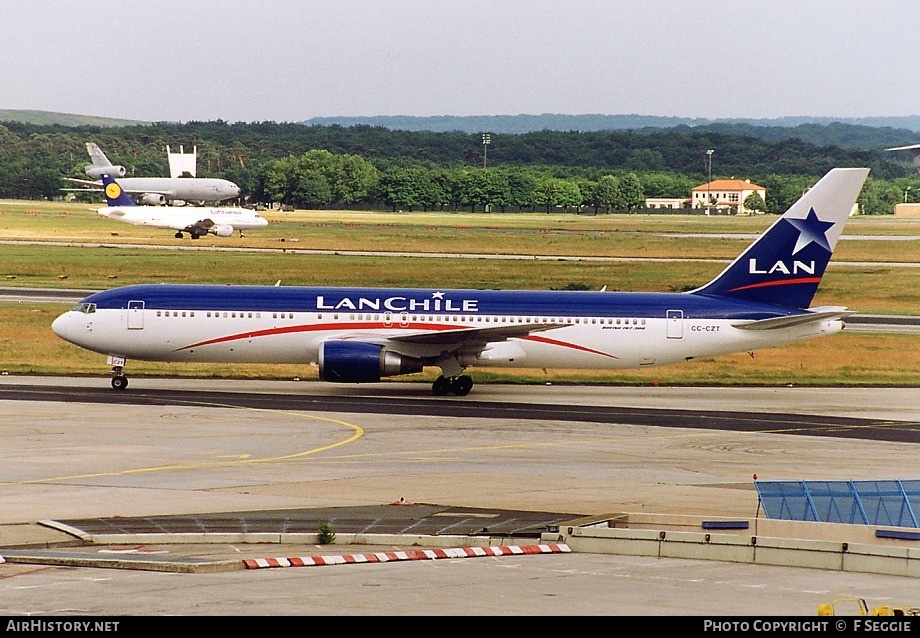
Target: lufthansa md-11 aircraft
[(155, 191), (358, 335)]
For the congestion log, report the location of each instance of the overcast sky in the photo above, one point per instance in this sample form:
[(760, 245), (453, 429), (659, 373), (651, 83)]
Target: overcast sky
[(286, 61)]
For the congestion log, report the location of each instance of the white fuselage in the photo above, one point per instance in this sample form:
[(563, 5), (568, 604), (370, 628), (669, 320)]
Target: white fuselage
[(181, 217), (295, 337), (190, 189)]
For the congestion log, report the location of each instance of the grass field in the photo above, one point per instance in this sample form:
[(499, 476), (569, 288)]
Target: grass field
[(105, 258)]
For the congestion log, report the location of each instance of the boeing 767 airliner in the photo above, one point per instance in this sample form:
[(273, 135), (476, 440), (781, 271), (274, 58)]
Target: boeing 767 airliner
[(357, 335)]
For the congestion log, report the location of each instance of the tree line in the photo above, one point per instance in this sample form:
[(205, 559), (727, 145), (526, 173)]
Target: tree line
[(372, 167)]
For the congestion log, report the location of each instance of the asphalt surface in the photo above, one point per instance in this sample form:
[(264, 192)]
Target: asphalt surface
[(177, 456)]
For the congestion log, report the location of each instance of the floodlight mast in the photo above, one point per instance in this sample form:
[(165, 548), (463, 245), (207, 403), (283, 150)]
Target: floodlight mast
[(709, 183)]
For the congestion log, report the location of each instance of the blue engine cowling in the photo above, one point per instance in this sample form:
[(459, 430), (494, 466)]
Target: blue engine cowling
[(357, 362)]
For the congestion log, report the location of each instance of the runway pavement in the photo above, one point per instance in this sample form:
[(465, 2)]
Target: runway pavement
[(169, 455)]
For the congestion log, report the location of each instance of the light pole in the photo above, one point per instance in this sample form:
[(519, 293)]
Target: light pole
[(709, 183), (906, 191), (486, 140)]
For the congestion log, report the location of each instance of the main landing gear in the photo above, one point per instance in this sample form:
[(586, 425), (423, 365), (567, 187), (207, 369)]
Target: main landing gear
[(460, 385), (119, 380)]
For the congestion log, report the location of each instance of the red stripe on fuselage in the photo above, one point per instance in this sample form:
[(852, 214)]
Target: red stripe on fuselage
[(373, 326), (562, 344), (269, 332)]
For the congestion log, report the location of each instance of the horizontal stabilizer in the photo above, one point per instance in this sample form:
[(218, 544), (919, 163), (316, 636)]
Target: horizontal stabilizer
[(95, 185), (818, 314)]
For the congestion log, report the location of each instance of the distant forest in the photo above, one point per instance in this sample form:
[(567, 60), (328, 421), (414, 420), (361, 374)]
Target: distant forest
[(365, 166), (525, 123)]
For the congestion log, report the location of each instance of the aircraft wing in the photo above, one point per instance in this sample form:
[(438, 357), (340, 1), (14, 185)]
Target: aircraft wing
[(817, 314), (476, 335), (97, 185), (460, 340), (200, 227), (147, 191)]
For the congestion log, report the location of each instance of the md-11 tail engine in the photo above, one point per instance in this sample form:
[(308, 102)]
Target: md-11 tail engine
[(96, 172), (357, 362)]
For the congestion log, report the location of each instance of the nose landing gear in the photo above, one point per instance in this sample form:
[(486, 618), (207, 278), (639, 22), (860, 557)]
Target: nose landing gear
[(119, 380)]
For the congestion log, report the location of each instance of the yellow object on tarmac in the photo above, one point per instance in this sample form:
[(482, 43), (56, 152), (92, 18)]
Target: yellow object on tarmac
[(854, 606)]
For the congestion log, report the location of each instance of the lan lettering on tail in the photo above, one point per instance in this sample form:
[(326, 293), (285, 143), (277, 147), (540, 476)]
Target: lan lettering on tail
[(355, 335)]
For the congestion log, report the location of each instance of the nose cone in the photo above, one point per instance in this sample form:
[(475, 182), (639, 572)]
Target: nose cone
[(59, 326)]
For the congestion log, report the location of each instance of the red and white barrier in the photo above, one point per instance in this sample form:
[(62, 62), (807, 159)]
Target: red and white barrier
[(421, 554)]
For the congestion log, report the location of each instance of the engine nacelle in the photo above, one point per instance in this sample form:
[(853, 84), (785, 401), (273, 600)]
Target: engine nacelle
[(153, 199), (356, 362), (96, 172), (221, 230)]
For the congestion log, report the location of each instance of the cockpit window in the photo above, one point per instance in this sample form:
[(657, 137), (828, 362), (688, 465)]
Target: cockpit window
[(85, 308)]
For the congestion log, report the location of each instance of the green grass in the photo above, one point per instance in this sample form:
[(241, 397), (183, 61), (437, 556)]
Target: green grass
[(27, 345), (885, 290), (518, 233)]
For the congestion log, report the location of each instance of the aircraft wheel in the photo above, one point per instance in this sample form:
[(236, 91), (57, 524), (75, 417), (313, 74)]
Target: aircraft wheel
[(120, 382), (440, 387), (462, 385), (194, 236), (178, 235)]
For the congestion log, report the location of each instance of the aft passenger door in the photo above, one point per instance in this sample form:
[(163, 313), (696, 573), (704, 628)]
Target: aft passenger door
[(675, 324), (135, 315)]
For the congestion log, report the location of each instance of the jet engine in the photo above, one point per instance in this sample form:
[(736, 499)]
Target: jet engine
[(356, 362), (221, 230), (153, 199), (96, 172)]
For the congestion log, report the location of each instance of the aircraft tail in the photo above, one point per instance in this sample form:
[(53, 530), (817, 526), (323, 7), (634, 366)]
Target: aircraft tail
[(101, 163), (114, 195), (96, 154), (786, 263), (914, 152)]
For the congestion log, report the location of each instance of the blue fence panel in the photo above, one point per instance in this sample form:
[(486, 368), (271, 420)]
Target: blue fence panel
[(836, 502), (785, 500), (912, 496), (887, 502)]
